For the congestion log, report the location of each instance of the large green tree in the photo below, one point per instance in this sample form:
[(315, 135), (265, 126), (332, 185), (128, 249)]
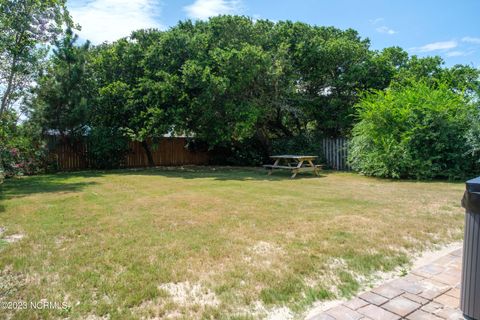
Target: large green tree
[(125, 99), (25, 27), (236, 83), (62, 96), (237, 78)]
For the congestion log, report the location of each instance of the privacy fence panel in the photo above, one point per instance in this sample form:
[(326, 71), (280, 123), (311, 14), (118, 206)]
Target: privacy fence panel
[(335, 152), (166, 152)]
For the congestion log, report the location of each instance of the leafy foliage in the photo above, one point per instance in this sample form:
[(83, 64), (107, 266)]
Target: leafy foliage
[(248, 89), (246, 153), (63, 92), (307, 144), (231, 82), (107, 148), (472, 137), (25, 27), (413, 131), (22, 151)]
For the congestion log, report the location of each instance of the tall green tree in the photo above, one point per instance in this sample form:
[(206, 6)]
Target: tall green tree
[(25, 27), (232, 82), (62, 96), (125, 99)]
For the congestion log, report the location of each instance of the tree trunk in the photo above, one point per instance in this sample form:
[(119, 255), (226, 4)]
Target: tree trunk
[(6, 94), (279, 125), (11, 76), (145, 146), (265, 142)]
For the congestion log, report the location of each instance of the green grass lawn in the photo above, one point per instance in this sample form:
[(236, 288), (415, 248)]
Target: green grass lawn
[(200, 242)]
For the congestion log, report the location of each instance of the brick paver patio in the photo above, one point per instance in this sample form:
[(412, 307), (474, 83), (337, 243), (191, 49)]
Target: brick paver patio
[(431, 292)]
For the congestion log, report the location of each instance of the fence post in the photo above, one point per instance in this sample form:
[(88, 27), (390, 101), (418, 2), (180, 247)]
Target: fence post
[(335, 152)]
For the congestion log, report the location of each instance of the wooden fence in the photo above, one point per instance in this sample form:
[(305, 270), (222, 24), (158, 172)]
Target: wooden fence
[(167, 152), (172, 152), (335, 152)]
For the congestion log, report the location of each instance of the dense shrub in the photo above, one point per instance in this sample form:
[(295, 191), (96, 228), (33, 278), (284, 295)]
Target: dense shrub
[(22, 158), (22, 151), (305, 144), (246, 153), (412, 131), (107, 148), (473, 137), (252, 152)]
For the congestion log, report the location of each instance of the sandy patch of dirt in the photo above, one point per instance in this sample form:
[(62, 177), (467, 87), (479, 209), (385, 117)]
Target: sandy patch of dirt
[(328, 277), (95, 317), (10, 238), (282, 313), (266, 248), (263, 254), (14, 237), (10, 282), (431, 255), (188, 300), (187, 294)]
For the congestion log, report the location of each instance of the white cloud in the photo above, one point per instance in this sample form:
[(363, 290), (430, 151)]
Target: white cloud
[(459, 53), (435, 46), (381, 29), (385, 29), (471, 40), (110, 20), (376, 21), (455, 54), (203, 9)]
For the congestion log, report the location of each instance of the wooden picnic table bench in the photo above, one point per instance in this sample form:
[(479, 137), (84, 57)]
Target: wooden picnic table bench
[(294, 163)]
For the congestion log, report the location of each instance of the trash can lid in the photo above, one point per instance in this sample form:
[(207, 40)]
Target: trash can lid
[(473, 185), (471, 197)]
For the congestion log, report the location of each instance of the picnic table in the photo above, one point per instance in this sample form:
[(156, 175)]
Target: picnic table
[(294, 163)]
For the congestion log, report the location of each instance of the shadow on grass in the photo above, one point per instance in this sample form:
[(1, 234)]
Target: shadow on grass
[(50, 183), (218, 173), (24, 186)]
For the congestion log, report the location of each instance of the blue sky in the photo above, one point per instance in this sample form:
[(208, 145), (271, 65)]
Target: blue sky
[(447, 28)]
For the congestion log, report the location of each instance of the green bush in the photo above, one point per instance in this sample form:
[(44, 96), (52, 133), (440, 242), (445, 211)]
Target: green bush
[(305, 144), (107, 148), (22, 151), (412, 131), (246, 153), (251, 152), (473, 137), (22, 158)]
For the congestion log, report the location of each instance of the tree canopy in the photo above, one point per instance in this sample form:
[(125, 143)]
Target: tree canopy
[(25, 27), (232, 82)]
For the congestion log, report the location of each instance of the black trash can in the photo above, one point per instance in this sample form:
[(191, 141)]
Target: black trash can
[(470, 291)]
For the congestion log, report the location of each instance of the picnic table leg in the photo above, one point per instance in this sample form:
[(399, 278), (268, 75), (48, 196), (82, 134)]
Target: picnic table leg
[(315, 170), (271, 169), (295, 171), (294, 174)]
